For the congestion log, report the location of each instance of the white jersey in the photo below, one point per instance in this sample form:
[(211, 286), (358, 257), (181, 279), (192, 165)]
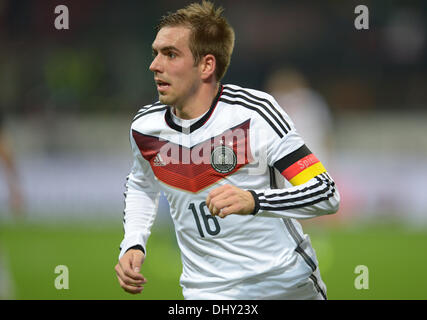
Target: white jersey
[(245, 139)]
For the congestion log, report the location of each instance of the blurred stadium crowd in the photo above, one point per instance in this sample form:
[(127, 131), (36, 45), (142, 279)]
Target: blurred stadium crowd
[(357, 96)]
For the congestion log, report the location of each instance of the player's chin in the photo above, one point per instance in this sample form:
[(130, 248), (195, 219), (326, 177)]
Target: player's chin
[(165, 99)]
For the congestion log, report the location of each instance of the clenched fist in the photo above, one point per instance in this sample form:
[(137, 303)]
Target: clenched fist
[(127, 271), (229, 199)]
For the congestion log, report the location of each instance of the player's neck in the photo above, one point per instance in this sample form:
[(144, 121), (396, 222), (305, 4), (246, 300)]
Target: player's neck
[(198, 103)]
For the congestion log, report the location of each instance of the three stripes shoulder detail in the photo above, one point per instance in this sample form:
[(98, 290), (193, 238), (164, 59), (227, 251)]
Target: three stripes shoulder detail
[(158, 106), (320, 189), (264, 107)]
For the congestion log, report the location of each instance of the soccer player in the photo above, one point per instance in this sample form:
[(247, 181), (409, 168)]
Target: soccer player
[(221, 154)]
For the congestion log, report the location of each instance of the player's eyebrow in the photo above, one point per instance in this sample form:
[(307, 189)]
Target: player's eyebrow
[(166, 49)]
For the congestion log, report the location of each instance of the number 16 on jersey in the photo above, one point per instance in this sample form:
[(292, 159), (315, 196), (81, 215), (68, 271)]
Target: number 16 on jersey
[(211, 224)]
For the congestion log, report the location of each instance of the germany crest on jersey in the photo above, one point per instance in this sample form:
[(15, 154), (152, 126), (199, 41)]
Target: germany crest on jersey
[(223, 159)]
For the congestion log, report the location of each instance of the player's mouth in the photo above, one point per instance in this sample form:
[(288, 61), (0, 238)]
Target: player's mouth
[(162, 85)]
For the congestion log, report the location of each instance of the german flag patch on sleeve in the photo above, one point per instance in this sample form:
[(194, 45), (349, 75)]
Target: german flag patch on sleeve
[(300, 166)]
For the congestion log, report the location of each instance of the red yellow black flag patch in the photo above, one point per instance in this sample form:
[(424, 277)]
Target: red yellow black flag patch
[(300, 166)]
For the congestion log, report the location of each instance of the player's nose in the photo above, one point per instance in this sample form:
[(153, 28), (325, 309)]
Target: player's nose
[(155, 65)]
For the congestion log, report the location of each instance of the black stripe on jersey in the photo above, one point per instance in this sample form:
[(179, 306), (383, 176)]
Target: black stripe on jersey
[(273, 182), (296, 206), (158, 103), (306, 258), (149, 110), (260, 104), (291, 158), (326, 176), (273, 185), (293, 231), (263, 100), (145, 108), (298, 240), (291, 193), (327, 188), (240, 103), (303, 197), (316, 284)]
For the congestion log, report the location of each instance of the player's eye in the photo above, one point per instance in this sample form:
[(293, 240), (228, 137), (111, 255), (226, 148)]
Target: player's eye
[(171, 55), (154, 53)]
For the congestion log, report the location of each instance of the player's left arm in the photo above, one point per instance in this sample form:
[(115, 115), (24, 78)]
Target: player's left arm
[(313, 194)]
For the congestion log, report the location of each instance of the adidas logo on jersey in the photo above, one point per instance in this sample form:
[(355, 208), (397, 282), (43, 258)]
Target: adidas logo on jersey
[(158, 161)]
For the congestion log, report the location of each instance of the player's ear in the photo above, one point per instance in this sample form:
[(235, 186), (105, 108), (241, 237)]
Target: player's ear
[(207, 66)]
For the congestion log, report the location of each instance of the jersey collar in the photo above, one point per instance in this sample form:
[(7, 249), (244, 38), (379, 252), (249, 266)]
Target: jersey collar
[(199, 123)]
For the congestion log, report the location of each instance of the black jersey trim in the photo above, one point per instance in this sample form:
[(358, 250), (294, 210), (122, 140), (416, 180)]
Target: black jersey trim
[(317, 286), (137, 247), (199, 123), (298, 240), (290, 226), (260, 104), (327, 177), (301, 198), (273, 181), (145, 108), (265, 202), (293, 231), (148, 111), (240, 103), (279, 114), (296, 206), (256, 200), (306, 257)]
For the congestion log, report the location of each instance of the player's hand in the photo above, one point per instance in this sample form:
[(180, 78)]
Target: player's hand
[(229, 199), (127, 271)]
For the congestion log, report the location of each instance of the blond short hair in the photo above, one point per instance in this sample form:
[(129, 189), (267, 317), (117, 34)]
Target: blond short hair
[(210, 33)]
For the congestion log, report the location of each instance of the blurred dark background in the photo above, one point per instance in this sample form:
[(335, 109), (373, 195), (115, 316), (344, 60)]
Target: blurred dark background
[(67, 96), (100, 64)]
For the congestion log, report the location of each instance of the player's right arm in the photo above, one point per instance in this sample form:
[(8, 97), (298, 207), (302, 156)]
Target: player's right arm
[(127, 271), (141, 203)]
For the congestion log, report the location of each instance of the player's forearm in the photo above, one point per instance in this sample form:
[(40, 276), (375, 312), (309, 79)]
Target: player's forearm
[(317, 197), (139, 215)]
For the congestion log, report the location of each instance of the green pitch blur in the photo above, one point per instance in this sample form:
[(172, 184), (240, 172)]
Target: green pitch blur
[(394, 256)]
